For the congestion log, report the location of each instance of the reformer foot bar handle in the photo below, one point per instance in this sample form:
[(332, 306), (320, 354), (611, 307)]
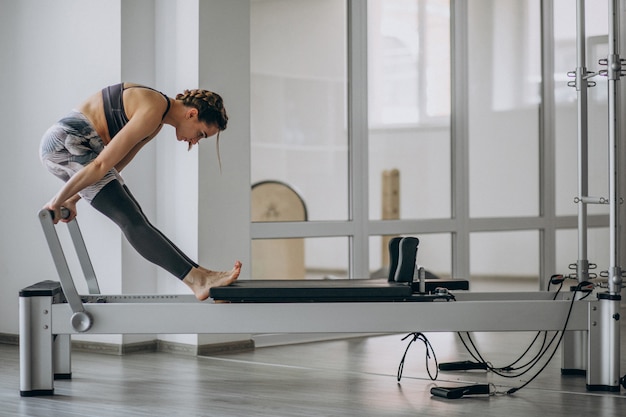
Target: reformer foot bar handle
[(81, 320)]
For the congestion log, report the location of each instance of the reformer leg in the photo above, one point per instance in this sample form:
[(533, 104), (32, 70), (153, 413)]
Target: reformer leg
[(603, 373), (41, 354), (574, 350), (574, 353), (62, 351), (36, 345)]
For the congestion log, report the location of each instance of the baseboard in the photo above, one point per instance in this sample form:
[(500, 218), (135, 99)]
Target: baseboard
[(147, 346), (205, 350), (282, 339), (177, 348), (9, 339), (163, 346), (226, 347), (114, 348)]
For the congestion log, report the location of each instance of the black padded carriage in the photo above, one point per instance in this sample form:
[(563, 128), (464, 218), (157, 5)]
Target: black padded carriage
[(333, 290)]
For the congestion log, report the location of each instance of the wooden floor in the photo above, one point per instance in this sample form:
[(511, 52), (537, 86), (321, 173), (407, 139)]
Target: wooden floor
[(352, 377)]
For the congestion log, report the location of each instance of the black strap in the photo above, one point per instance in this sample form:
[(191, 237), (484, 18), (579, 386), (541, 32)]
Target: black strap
[(453, 393)]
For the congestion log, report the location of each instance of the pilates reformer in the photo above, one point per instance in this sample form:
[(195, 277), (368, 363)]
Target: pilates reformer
[(51, 311)]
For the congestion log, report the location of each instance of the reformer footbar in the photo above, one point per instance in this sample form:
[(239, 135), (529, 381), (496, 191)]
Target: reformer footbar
[(51, 311), (81, 319)]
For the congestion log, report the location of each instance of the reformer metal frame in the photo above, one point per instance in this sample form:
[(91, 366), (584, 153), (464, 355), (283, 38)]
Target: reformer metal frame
[(50, 312), (50, 316), (575, 361)]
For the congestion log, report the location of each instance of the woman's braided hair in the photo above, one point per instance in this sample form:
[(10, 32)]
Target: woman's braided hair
[(210, 106), (211, 110)]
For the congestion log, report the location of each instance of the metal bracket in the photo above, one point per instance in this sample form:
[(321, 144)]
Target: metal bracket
[(81, 320)]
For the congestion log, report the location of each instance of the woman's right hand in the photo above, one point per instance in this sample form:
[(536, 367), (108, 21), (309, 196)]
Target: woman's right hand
[(70, 205), (55, 208)]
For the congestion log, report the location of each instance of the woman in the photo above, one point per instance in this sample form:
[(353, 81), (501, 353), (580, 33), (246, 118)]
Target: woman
[(89, 147)]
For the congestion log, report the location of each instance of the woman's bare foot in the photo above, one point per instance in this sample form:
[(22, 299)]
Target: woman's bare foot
[(201, 280)]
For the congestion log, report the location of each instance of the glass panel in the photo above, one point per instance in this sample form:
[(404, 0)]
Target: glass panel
[(504, 261), (567, 250), (409, 108), (298, 101), (310, 258), (433, 253), (566, 120), (504, 94)]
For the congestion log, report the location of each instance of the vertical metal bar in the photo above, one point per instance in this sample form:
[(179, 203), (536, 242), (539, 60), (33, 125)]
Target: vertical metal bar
[(604, 346), (459, 138), (36, 362), (358, 152), (611, 303), (614, 72), (26, 382), (582, 265), (547, 182), (604, 323), (574, 347), (62, 356), (83, 257)]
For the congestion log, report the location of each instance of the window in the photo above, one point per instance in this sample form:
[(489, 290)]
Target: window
[(409, 107), (298, 101), (409, 62), (504, 52)]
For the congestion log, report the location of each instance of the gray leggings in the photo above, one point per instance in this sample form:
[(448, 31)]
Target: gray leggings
[(117, 203), (70, 145)]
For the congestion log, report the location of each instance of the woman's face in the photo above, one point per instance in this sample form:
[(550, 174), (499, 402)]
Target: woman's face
[(191, 130)]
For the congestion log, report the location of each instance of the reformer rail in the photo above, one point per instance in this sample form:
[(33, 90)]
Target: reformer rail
[(51, 312), (48, 318)]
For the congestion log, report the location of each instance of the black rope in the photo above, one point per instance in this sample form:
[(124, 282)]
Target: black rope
[(569, 313), (543, 350), (530, 363), (429, 348)]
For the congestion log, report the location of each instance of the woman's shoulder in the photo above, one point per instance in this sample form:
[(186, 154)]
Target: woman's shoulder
[(145, 101)]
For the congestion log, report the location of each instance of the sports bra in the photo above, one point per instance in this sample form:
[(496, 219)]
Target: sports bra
[(114, 106)]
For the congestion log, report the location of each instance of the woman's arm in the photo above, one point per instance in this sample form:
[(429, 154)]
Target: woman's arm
[(129, 157), (144, 122)]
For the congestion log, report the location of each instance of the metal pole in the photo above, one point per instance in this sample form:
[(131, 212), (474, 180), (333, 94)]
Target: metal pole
[(574, 355), (582, 265), (604, 330), (614, 73)]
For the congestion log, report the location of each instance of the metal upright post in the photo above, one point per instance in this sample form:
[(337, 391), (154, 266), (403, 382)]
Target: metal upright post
[(37, 359), (614, 73), (582, 265), (574, 352), (604, 330)]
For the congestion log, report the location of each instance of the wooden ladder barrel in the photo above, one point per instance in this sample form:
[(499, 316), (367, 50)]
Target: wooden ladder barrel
[(276, 201)]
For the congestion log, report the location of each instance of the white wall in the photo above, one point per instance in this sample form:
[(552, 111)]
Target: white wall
[(52, 56), (49, 66)]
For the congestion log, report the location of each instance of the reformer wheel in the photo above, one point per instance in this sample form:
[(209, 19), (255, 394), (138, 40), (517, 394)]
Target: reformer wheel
[(81, 321)]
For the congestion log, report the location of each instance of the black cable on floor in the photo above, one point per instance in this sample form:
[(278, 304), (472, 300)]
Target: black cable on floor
[(542, 351), (569, 313), (554, 279), (429, 348)]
